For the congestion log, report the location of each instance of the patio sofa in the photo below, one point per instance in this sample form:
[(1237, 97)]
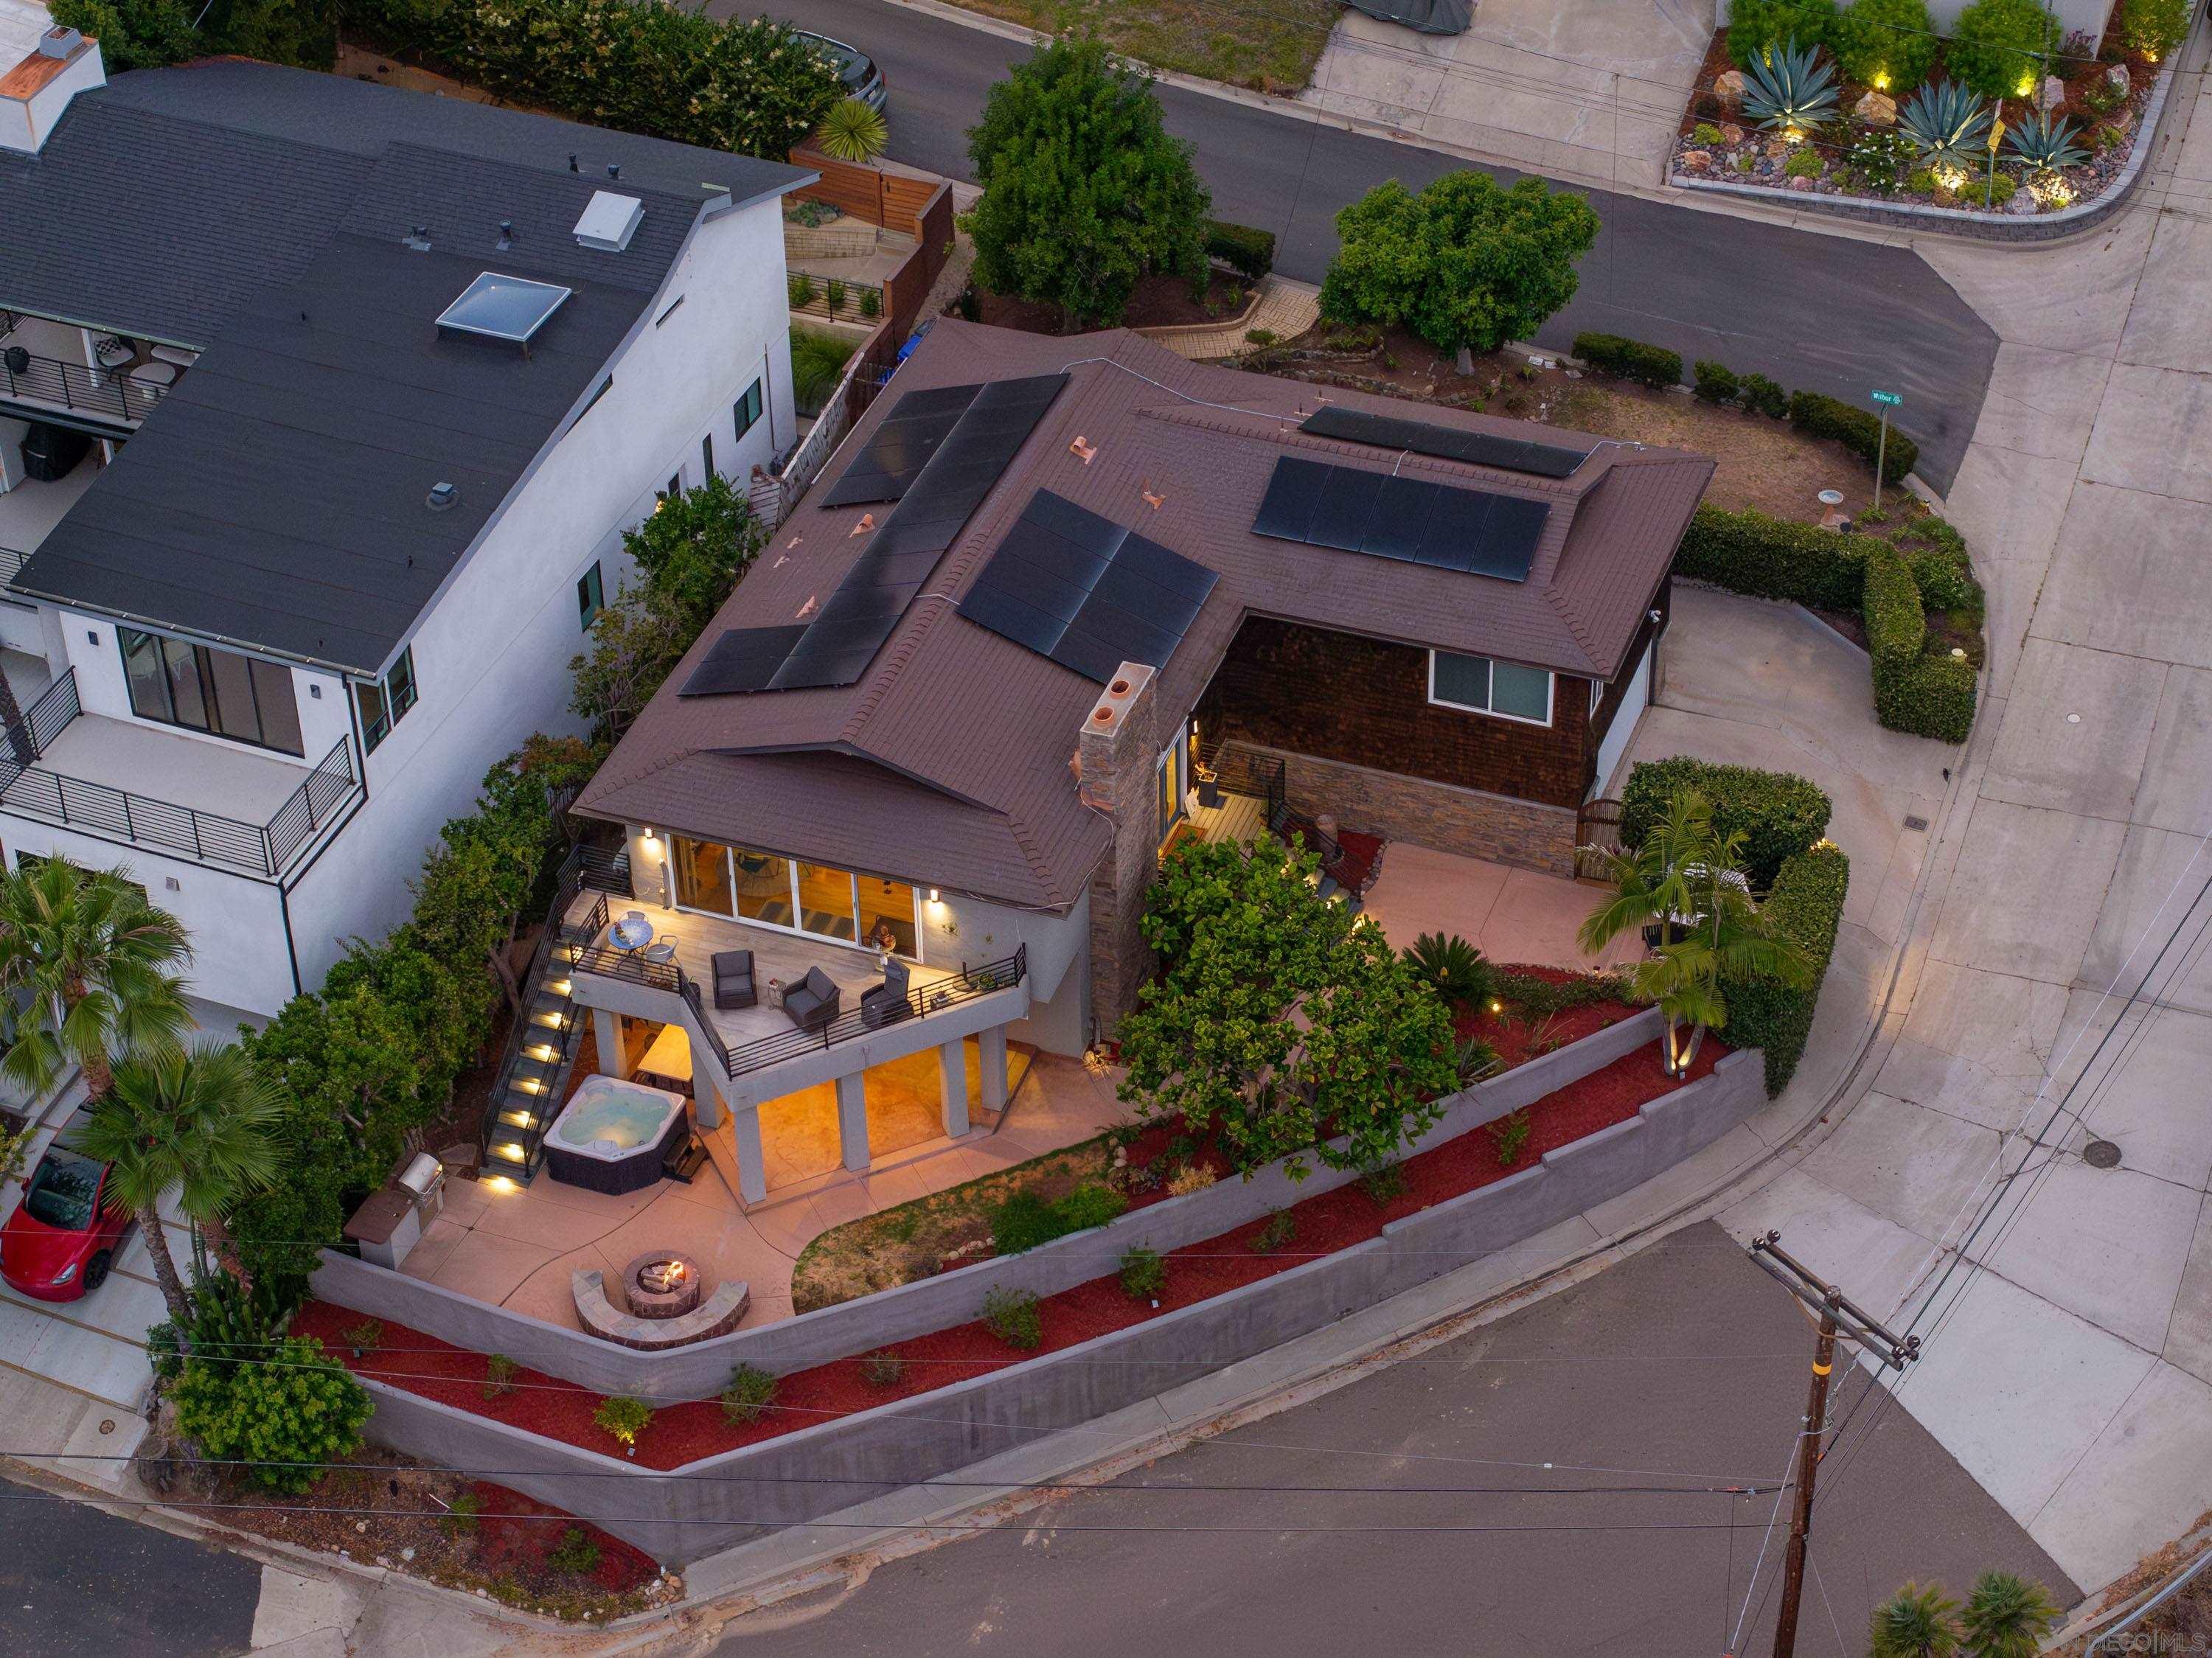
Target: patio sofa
[(811, 1003)]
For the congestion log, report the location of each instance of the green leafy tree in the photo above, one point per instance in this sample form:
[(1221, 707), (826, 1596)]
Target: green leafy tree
[(635, 645), (1688, 880), (1915, 1623), (291, 1409), (133, 33), (2002, 48), (1467, 264), (2007, 1616), (92, 962), (1280, 1017), (1887, 45), (1083, 191), (200, 1127)]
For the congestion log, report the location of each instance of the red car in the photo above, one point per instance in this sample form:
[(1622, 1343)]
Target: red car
[(63, 1236)]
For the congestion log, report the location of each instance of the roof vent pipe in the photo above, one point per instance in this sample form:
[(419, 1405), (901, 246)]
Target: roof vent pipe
[(443, 497), (614, 169)]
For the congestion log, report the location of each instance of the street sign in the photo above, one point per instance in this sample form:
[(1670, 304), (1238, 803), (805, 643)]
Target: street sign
[(1889, 398)]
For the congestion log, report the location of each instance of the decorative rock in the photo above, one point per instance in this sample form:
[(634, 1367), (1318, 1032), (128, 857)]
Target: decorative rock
[(1801, 184), (2051, 94), (1728, 88), (1777, 149), (2020, 204), (2122, 121), (2116, 76), (1876, 109), (407, 1554), (1698, 160), (1731, 133)]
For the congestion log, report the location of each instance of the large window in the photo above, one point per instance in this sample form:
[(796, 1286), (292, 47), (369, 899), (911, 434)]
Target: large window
[(384, 703), (232, 696), (1174, 781), (747, 409), (796, 897), (590, 595), (1484, 685)]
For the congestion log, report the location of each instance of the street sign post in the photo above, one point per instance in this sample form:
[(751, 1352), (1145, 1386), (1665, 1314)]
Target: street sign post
[(1888, 400)]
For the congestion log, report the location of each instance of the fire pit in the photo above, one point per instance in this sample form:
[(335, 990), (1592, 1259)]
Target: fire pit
[(662, 1284)]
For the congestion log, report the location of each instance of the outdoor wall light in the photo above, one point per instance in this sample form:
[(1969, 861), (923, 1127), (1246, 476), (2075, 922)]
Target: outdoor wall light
[(933, 898)]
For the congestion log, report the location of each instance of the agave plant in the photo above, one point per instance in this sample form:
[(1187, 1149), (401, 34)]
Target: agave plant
[(851, 131), (1947, 125), (2045, 144), (1791, 89)]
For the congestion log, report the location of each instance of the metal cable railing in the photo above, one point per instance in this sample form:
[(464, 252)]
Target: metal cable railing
[(73, 386)]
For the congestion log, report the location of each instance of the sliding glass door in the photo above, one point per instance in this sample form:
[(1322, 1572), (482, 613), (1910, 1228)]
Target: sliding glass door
[(816, 899)]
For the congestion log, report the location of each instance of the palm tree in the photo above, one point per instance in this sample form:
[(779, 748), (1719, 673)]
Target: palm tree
[(89, 961), (201, 1125), (1915, 1623), (1686, 881), (2006, 1617)]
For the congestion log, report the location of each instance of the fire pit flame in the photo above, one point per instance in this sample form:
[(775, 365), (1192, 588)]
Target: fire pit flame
[(662, 1284), (662, 1276)]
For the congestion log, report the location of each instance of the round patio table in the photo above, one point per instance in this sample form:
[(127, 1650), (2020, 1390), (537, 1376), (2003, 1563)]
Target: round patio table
[(633, 931)]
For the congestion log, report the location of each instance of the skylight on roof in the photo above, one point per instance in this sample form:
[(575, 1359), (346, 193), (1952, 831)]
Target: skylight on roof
[(503, 308)]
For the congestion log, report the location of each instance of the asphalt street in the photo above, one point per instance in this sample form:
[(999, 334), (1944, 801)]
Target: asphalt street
[(1625, 1402), (78, 1583), (1812, 312)]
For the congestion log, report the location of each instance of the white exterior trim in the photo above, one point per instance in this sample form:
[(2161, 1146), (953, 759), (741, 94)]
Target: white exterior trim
[(1551, 688)]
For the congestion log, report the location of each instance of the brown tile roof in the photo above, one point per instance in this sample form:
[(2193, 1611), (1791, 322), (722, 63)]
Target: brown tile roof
[(947, 763)]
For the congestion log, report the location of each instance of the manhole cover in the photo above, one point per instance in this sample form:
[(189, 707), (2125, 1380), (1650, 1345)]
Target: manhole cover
[(1915, 822), (2101, 1154)]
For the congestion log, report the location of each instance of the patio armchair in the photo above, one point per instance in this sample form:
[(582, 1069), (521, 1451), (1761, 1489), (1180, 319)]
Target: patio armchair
[(886, 1003), (733, 978), (812, 1002)]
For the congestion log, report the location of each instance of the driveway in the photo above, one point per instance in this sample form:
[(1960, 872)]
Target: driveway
[(1546, 1484), (1590, 89)]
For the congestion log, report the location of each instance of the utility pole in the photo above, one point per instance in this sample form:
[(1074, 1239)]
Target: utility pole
[(1839, 1316)]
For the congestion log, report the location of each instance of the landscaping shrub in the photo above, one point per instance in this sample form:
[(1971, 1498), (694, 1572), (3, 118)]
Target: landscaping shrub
[(623, 1416), (1933, 696), (1452, 966), (753, 87), (1026, 1219), (750, 1391), (2001, 47), (1249, 253), (1748, 552), (1887, 45), (499, 1376), (1383, 1184), (2154, 27), (1779, 813), (1807, 903), (1539, 997), (1942, 568), (882, 1369), (1473, 1060), (1992, 189), (1896, 626), (1630, 360), (1142, 1274), (1195, 1178), (1756, 26), (459, 1518), (575, 1552), (1821, 416), (1282, 1227), (1715, 382), (1511, 1133), (1088, 1205), (1805, 163), (1011, 1316), (1764, 396), (296, 1409)]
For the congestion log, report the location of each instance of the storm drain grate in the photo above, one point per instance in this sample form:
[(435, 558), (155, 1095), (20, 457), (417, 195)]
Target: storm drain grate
[(2101, 1154)]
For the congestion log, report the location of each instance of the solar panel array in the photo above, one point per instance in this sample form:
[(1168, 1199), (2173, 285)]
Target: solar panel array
[(902, 446), (843, 638), (1086, 592), (1401, 518), (1476, 448)]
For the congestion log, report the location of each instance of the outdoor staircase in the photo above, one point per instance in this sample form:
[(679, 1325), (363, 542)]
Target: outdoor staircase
[(1240, 771), (533, 1079)]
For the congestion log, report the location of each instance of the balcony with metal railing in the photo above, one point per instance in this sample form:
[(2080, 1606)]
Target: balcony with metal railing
[(217, 804), (44, 364)]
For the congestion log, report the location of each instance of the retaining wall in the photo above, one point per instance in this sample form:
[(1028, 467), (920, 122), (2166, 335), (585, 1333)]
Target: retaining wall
[(681, 1514), (702, 1370)]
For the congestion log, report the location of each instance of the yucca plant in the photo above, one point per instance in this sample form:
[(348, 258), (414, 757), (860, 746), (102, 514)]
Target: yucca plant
[(2007, 1616), (851, 131), (1791, 90), (1947, 125), (1915, 1623), (2043, 143)]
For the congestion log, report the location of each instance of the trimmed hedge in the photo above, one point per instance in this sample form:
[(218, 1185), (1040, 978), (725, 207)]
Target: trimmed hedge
[(1807, 902), (1780, 813), (1933, 697), (1715, 382), (1821, 416), (1631, 360), (1748, 552), (1896, 626), (1249, 253)]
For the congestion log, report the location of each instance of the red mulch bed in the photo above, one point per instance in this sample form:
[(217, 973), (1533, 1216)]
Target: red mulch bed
[(514, 1534), (1325, 1222), (1518, 1040)]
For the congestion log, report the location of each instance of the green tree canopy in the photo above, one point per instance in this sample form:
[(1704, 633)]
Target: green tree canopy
[(1467, 264), (1083, 191), (1280, 1018), (150, 33)]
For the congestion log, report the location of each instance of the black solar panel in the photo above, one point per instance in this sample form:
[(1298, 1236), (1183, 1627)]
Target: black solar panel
[(1087, 592), (1476, 448), (1411, 520), (919, 422), (742, 659)]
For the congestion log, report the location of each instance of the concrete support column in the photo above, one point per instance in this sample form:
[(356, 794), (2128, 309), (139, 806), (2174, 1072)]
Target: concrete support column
[(752, 1168), (853, 1120), (953, 1085), (1117, 753), (992, 1044), (706, 1094), (606, 1030)]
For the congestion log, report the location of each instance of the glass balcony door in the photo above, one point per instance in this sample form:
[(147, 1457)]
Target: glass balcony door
[(817, 900)]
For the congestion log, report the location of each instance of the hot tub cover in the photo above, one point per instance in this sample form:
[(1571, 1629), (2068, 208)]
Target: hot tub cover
[(1429, 16)]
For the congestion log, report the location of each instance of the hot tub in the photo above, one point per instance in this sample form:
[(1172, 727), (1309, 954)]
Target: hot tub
[(613, 1135)]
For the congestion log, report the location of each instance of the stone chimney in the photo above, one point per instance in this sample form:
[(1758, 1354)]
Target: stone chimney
[(36, 91), (1118, 755)]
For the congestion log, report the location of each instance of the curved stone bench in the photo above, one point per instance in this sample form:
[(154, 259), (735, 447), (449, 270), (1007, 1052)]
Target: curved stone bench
[(717, 1315)]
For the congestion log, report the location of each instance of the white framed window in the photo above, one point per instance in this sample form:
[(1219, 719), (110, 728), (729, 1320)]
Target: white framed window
[(765, 889), (1482, 684)]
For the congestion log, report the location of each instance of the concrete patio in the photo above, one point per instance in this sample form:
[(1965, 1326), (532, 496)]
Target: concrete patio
[(1511, 916)]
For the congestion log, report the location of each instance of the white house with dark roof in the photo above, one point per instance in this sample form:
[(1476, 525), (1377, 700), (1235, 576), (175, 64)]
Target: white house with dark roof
[(322, 408)]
